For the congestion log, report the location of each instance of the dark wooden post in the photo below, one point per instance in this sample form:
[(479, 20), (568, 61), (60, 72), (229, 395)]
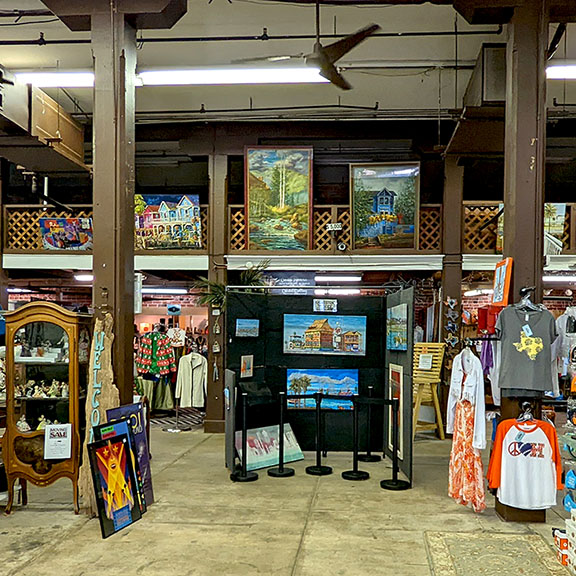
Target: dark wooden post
[(114, 49), (217, 272)]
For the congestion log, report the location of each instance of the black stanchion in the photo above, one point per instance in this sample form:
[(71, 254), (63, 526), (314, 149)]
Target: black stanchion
[(394, 483), (318, 469), (243, 475), (281, 472), (369, 457), (355, 474)]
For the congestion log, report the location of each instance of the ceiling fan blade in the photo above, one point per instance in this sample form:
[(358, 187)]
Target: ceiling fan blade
[(335, 51), (273, 58), (329, 72)]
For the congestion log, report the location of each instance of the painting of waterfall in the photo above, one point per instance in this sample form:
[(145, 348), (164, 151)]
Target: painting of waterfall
[(384, 200), (278, 200)]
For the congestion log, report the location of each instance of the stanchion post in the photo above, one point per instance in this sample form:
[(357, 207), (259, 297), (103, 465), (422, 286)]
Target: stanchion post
[(395, 483), (318, 469), (281, 472), (369, 457), (243, 475), (355, 474)]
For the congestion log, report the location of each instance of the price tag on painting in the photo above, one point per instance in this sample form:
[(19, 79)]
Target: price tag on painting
[(334, 226)]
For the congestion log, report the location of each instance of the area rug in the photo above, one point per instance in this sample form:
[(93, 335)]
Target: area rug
[(187, 418), (491, 554)]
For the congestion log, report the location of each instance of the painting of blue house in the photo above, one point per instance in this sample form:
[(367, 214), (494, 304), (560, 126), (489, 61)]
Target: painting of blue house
[(384, 200)]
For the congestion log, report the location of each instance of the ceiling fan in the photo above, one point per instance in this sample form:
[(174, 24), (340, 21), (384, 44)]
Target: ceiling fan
[(324, 57)]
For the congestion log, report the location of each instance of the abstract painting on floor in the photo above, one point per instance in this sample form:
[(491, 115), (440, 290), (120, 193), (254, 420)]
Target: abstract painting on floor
[(278, 199)]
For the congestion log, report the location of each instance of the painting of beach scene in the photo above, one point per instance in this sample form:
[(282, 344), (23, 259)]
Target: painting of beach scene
[(315, 334), (397, 328), (332, 381), (384, 199), (278, 198)]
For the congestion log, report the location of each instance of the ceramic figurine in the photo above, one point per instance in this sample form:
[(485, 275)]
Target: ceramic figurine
[(22, 425), (64, 389), (54, 390), (42, 423)]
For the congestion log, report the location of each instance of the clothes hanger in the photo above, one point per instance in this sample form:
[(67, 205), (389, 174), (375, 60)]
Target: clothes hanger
[(526, 415), (525, 302)]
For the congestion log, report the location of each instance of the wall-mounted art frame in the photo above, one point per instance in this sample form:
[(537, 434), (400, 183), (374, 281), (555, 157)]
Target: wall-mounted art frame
[(66, 233), (324, 335), (333, 381), (397, 328), (395, 384), (502, 280), (384, 199), (278, 198)]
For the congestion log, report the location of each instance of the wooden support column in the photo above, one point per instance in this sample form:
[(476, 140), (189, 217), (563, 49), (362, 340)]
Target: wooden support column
[(217, 272), (452, 226), (114, 50), (4, 167), (525, 145)]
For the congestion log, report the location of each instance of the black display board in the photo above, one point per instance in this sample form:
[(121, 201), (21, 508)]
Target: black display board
[(404, 359), (271, 364)]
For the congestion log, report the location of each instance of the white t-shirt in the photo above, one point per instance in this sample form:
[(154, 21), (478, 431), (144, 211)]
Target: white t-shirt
[(526, 465), (177, 337)]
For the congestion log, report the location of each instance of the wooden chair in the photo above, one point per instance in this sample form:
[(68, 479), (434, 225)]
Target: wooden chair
[(425, 383)]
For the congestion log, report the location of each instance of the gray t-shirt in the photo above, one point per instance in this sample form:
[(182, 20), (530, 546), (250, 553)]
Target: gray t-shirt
[(527, 337)]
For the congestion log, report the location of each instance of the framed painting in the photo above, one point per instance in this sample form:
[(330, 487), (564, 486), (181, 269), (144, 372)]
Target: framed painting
[(326, 335), (167, 221), (278, 198), (395, 381), (66, 233), (397, 328), (114, 484), (502, 280), (328, 381), (385, 205), (263, 446)]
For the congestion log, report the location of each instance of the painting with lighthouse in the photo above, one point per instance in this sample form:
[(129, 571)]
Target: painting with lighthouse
[(278, 199)]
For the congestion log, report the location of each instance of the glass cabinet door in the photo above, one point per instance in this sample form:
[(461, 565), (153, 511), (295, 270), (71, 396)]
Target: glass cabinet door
[(41, 376)]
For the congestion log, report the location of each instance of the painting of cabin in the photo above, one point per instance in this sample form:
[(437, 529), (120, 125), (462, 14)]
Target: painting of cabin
[(384, 200), (278, 200), (167, 222), (312, 334)]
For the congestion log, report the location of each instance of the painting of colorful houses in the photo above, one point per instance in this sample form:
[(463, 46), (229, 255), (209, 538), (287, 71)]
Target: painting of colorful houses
[(335, 382), (167, 222), (384, 199), (278, 198), (310, 334)]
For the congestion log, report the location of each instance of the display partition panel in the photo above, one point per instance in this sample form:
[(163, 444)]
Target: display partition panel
[(273, 366), (399, 365)]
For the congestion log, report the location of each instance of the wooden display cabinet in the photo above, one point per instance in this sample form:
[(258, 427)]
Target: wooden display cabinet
[(47, 357)]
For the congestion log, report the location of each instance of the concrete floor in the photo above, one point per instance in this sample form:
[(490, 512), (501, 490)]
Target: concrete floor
[(203, 524)]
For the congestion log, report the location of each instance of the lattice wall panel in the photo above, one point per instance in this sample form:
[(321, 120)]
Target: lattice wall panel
[(345, 218), (237, 229), (322, 238), (476, 238), (430, 228), (204, 224), (23, 226), (566, 235)]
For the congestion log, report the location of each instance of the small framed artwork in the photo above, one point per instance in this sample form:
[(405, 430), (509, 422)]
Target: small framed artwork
[(385, 205), (397, 328), (395, 381), (247, 328), (502, 279), (247, 366), (114, 484)]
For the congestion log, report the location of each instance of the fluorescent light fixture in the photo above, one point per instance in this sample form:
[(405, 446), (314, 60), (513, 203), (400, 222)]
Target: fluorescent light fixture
[(164, 291), (84, 277), (561, 72), (328, 278), (19, 290), (220, 76), (56, 79), (479, 292), (559, 278), (337, 292)]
